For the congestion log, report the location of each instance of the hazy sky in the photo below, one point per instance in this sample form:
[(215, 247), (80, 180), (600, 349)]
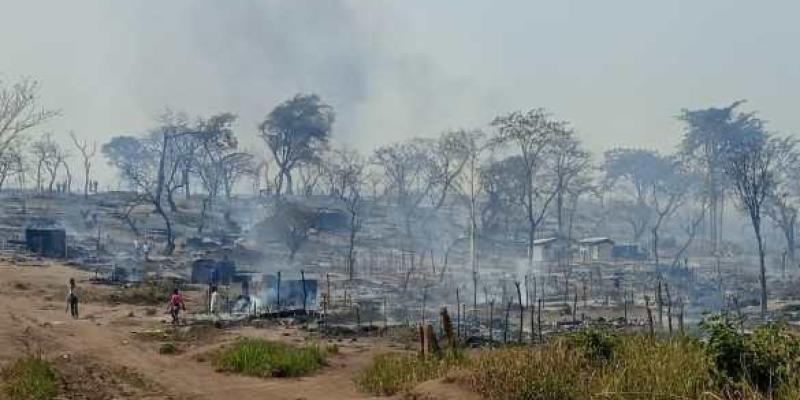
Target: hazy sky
[(619, 71)]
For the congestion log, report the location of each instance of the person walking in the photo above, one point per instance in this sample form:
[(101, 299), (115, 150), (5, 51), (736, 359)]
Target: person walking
[(72, 299), (175, 305), (213, 306)]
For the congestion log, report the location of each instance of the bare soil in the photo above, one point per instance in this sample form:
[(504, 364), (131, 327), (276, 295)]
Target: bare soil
[(112, 350)]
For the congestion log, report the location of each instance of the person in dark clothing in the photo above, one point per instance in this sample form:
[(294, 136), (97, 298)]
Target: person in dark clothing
[(72, 299)]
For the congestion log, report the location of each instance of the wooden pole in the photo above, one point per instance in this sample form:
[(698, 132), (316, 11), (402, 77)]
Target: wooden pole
[(521, 311), (491, 320), (305, 295), (539, 319), (669, 308), (278, 291), (505, 328), (649, 315), (660, 303), (458, 314)]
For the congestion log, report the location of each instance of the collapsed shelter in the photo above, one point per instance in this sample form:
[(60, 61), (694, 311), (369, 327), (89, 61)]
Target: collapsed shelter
[(47, 242)]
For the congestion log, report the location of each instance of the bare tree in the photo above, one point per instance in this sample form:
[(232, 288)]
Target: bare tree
[(532, 134), (450, 155), (694, 216), (235, 166), (87, 152), (783, 206), (11, 163), (20, 110), (469, 187), (293, 223), (48, 158), (310, 175), (668, 190), (635, 172), (150, 165), (348, 169), (752, 159), (405, 166), (569, 163)]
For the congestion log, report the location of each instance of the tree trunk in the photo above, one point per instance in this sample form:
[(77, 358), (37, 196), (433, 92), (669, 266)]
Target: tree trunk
[(521, 312), (791, 240), (171, 200), (351, 260), (763, 270), (289, 186), (168, 226), (655, 245), (86, 169)]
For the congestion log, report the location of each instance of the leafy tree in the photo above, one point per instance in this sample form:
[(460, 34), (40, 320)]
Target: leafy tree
[(295, 131), (703, 146), (635, 172)]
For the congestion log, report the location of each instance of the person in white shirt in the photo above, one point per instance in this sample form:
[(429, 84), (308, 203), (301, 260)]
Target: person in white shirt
[(214, 301)]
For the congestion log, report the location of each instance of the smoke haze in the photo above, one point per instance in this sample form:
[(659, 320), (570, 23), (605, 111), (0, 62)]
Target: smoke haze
[(618, 71)]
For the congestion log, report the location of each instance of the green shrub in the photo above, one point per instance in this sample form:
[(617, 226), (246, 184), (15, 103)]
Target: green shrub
[(771, 357), (725, 345), (256, 357), (392, 373), (765, 360), (596, 343), (168, 348), (30, 378)]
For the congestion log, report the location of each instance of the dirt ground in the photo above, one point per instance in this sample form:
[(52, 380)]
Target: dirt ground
[(106, 353)]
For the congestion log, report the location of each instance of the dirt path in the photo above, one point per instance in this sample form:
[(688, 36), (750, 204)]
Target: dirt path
[(32, 298)]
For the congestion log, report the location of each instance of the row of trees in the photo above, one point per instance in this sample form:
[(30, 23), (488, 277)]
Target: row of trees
[(529, 170)]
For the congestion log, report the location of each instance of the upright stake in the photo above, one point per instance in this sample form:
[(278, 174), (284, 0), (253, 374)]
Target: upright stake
[(305, 295), (660, 304), (491, 320), (649, 315), (669, 308), (505, 329), (458, 314), (539, 319), (575, 307), (385, 315), (278, 291), (521, 311)]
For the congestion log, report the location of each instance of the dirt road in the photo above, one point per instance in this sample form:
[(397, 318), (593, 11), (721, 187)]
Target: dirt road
[(108, 361)]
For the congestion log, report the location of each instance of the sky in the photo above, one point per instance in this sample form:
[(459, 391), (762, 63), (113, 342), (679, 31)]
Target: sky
[(619, 71)]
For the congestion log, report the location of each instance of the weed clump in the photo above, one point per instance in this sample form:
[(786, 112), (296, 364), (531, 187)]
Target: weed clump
[(168, 348), (30, 378), (768, 360), (256, 357), (392, 373), (146, 293)]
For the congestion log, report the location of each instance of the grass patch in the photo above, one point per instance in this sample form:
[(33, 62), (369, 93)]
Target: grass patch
[(146, 293), (392, 373), (256, 357), (554, 371), (30, 378), (168, 348), (602, 364)]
